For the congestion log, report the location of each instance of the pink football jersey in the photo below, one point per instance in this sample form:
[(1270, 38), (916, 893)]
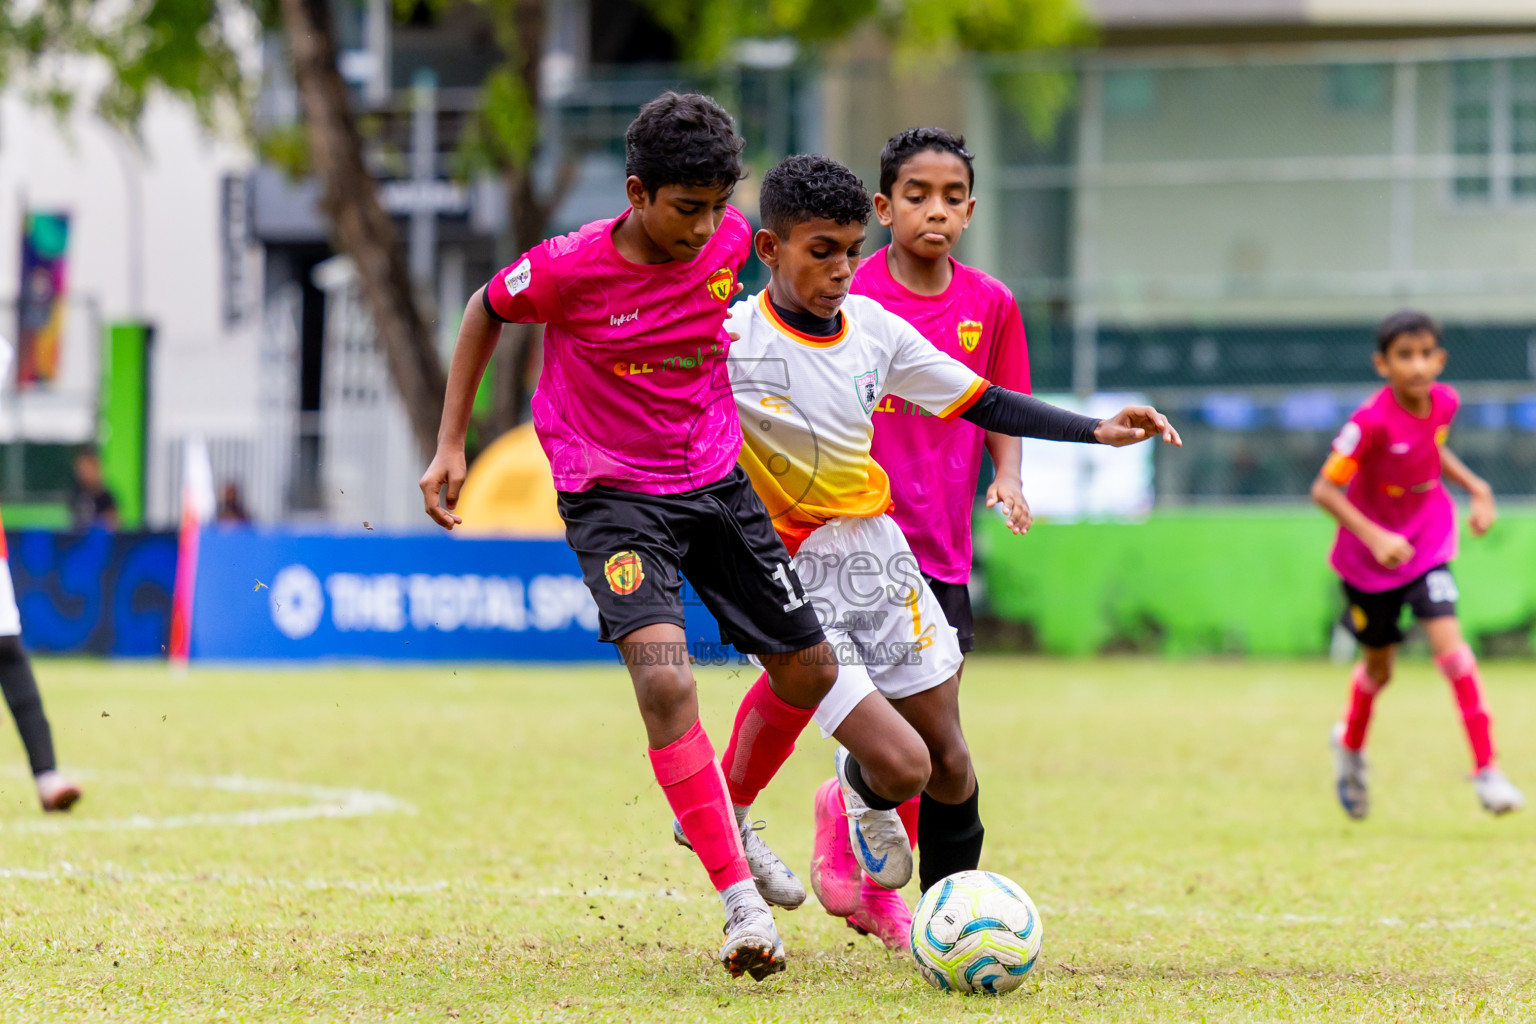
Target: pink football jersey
[(933, 463), (1390, 461), (634, 392)]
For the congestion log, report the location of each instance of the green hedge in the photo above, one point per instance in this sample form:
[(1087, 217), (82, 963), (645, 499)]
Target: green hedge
[(1224, 582)]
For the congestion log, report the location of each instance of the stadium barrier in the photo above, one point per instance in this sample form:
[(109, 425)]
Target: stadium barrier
[(1226, 582), (93, 593), (269, 594)]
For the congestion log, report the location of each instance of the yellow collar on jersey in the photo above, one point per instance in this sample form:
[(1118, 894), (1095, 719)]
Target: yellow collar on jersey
[(800, 336)]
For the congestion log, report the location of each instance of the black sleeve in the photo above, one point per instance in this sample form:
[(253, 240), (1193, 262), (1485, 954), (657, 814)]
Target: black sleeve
[(485, 300), (1011, 412)]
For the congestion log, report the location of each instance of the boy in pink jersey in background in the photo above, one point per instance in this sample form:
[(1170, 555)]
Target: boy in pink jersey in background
[(1396, 539), (635, 412), (926, 178)]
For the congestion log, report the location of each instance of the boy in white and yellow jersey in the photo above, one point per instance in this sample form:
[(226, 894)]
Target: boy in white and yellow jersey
[(810, 368)]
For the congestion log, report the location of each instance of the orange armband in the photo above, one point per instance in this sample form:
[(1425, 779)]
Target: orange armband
[(1340, 469)]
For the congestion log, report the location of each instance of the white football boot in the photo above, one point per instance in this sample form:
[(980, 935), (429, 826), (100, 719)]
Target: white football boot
[(775, 882), (55, 792), (1349, 771), (752, 944), (1498, 794), (879, 839)]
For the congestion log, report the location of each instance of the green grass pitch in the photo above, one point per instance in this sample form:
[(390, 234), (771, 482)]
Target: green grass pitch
[(507, 856)]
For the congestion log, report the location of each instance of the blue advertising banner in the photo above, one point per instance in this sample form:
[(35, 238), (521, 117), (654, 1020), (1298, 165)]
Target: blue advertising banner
[(267, 594), (94, 593)]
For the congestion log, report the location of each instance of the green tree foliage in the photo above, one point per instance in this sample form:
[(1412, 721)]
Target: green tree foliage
[(183, 47), (928, 37)]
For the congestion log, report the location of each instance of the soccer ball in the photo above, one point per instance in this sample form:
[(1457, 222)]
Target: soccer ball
[(976, 931)]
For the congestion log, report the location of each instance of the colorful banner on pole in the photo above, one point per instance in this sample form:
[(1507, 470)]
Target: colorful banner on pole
[(40, 303)]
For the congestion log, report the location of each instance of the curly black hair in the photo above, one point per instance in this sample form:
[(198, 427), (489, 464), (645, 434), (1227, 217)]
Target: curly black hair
[(683, 139), (803, 188), (903, 146), (1405, 321)]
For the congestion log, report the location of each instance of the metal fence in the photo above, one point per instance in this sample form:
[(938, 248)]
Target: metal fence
[(1222, 228)]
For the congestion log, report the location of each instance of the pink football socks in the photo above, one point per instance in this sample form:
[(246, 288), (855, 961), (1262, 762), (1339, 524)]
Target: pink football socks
[(761, 740), (695, 788), (1460, 667)]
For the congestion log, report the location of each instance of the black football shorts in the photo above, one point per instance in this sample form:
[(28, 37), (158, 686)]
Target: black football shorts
[(1374, 618), (955, 599), (635, 549)]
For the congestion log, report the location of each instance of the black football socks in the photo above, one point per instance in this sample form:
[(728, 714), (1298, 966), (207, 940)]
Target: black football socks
[(949, 838), (26, 704), (855, 776)]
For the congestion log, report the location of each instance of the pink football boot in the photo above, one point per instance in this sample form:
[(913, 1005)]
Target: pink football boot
[(835, 874), (883, 913)]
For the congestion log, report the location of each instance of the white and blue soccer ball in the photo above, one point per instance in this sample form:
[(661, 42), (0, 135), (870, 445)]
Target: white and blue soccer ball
[(976, 931)]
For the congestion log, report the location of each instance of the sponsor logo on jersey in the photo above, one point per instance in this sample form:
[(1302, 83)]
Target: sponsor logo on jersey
[(620, 319), (519, 277), (1399, 448), (623, 572), (1441, 433), (867, 384), (721, 284), (970, 334), (1348, 439)]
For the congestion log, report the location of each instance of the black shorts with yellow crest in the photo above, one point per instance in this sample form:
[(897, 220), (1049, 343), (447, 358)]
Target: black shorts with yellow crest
[(1374, 617), (635, 550)]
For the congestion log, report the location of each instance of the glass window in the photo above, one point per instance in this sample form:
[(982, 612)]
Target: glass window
[(1472, 124), (1358, 87), (1129, 92), (1522, 125)]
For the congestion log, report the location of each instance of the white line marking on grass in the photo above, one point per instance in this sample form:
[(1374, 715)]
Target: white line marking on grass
[(1208, 914), (65, 871), (328, 802)]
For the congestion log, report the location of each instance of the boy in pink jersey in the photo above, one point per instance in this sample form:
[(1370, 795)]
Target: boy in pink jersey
[(1396, 539), (634, 410), (926, 178)]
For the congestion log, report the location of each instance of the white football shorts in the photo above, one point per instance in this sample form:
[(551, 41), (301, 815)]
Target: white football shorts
[(884, 624), (10, 615)]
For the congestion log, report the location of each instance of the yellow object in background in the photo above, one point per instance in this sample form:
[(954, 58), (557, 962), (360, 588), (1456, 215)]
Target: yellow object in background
[(509, 490)]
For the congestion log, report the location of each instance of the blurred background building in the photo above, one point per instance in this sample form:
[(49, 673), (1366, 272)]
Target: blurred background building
[(1229, 198)]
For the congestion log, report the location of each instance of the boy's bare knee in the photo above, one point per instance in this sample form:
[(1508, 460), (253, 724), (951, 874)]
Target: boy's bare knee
[(951, 766), (902, 771), (662, 689)]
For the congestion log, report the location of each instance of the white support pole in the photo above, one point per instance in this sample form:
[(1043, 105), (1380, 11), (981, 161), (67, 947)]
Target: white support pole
[(1085, 223), (1405, 128), (423, 235)]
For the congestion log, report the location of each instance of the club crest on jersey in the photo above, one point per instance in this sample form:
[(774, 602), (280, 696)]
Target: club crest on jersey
[(970, 334), (624, 572), (867, 384), (721, 284)]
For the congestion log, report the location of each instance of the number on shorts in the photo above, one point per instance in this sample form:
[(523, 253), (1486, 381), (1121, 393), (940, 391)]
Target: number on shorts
[(1442, 587), (782, 575)]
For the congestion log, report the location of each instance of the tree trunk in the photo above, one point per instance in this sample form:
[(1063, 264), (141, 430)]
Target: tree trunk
[(359, 224), (529, 215)]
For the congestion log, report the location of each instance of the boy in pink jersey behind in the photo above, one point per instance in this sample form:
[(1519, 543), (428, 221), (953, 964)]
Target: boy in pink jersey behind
[(926, 178), (1396, 539), (634, 410)]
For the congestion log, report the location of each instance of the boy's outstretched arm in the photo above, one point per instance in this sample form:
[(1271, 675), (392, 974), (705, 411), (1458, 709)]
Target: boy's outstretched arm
[(1019, 415), (1484, 512), (478, 334), (1388, 548), (1006, 488)]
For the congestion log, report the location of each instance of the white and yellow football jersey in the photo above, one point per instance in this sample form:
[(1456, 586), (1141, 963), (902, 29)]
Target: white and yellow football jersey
[(806, 405)]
